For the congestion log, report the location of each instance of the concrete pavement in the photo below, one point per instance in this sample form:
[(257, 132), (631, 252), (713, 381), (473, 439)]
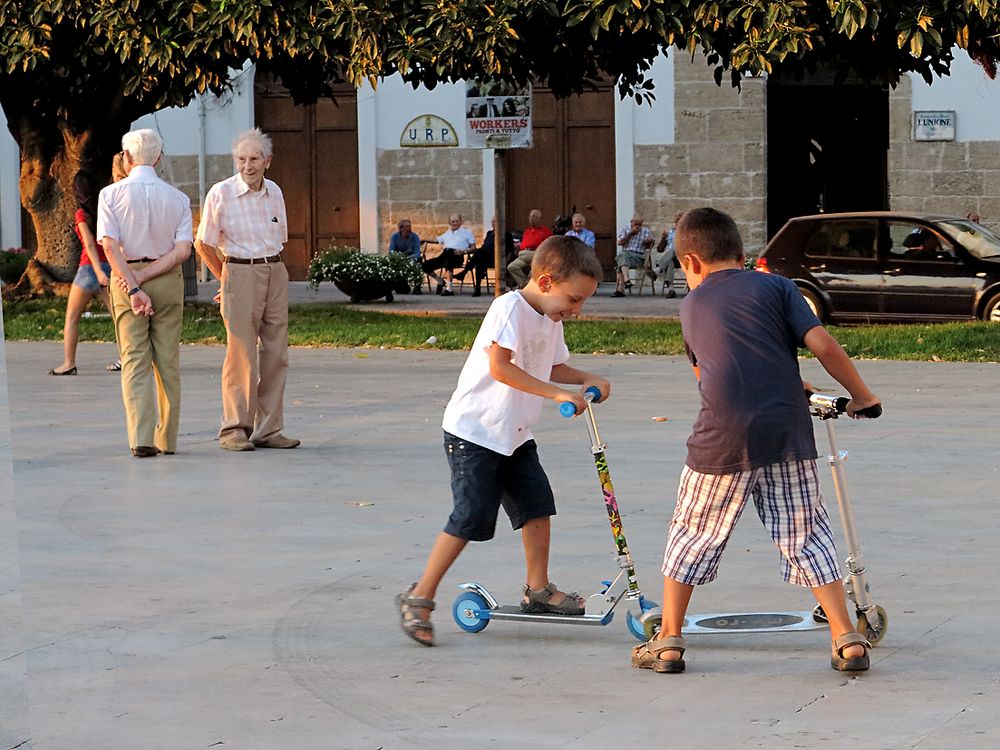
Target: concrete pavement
[(212, 599)]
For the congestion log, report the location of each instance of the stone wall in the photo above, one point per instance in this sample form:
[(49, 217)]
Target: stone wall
[(182, 173), (717, 158), (427, 185), (951, 177)]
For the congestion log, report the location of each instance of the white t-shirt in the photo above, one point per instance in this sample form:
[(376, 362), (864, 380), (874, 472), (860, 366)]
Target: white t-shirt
[(461, 239), (486, 412)]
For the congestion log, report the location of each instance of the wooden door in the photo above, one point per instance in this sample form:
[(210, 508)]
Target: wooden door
[(570, 166), (316, 166)]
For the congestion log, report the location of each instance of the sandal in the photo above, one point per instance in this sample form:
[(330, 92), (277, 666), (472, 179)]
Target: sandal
[(850, 663), (538, 601), (70, 371), (647, 655), (115, 366), (412, 625)]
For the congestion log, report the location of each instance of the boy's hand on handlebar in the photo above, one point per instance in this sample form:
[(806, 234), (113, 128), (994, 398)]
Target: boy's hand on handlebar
[(600, 384), (857, 407), (569, 397)]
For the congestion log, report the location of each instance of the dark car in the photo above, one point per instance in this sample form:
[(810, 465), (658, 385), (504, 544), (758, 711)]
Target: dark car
[(889, 266)]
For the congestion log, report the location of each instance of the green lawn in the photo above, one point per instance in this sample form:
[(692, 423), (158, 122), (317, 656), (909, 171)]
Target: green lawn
[(344, 326)]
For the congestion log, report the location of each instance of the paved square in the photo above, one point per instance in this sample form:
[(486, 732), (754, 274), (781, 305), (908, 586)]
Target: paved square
[(212, 599)]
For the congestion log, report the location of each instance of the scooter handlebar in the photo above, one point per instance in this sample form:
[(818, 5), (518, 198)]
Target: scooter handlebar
[(839, 404), (592, 394)]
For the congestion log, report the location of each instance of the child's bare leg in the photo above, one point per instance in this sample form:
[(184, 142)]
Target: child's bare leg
[(446, 548), (535, 536), (676, 597), (831, 599)]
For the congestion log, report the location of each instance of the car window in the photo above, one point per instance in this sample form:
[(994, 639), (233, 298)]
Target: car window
[(978, 240), (843, 239), (911, 241)]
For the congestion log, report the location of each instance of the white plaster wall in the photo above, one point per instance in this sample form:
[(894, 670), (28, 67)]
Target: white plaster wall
[(969, 92), (10, 192), (396, 103), (225, 117), (653, 124)]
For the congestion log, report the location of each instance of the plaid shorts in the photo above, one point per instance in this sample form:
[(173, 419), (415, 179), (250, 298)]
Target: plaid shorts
[(790, 505)]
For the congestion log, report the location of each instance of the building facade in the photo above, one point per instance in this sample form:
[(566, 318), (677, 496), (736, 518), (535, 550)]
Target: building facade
[(764, 152)]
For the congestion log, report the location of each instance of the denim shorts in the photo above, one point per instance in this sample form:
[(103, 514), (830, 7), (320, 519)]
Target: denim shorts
[(482, 480), (86, 279)]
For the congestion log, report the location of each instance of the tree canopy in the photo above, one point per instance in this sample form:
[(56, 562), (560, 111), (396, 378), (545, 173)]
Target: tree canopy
[(75, 73)]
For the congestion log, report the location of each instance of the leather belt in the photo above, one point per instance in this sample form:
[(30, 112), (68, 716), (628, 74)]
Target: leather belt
[(252, 261), (140, 260)]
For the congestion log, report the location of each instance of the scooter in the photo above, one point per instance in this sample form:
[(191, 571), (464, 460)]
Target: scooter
[(476, 607), (871, 618)]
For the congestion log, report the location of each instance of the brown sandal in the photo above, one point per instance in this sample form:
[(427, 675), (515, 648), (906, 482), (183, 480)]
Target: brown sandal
[(647, 655), (537, 601), (850, 663), (413, 625)]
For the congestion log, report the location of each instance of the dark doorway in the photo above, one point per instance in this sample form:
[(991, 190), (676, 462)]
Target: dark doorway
[(571, 164), (316, 166), (827, 149)]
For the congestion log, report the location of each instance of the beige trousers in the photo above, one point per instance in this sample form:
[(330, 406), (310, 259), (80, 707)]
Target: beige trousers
[(255, 310), (150, 354), (520, 268)]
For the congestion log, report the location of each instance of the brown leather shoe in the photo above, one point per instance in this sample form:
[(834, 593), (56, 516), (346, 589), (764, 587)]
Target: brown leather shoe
[(144, 451), (236, 444), (277, 441)]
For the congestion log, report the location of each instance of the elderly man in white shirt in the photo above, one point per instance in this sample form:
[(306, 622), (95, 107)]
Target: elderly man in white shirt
[(145, 228), (242, 232)]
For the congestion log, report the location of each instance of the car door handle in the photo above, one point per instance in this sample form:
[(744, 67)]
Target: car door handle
[(893, 271), (820, 267)]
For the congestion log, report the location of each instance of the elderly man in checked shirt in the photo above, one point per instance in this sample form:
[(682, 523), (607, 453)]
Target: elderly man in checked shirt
[(240, 237)]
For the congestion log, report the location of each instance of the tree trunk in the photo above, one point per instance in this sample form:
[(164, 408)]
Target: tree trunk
[(52, 153)]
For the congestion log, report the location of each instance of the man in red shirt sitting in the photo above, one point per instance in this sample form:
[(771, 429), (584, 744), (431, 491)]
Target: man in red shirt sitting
[(520, 268)]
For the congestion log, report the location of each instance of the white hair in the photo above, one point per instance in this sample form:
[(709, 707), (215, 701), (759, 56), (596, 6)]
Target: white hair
[(143, 146), (256, 136)]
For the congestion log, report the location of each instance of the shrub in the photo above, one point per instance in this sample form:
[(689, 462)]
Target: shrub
[(351, 264), (13, 262)]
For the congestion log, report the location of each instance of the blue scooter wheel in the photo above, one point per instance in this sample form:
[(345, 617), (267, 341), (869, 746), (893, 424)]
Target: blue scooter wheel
[(464, 608), (638, 626)]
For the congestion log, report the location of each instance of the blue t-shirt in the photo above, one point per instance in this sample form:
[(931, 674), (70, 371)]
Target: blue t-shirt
[(742, 329), (410, 246)]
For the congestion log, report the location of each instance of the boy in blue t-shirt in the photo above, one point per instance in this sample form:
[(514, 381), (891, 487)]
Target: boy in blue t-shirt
[(753, 436), (518, 354)]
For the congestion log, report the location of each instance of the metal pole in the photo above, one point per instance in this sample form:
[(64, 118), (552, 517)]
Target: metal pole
[(500, 219)]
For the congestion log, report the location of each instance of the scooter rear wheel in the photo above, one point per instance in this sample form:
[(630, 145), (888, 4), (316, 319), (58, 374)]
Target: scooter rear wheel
[(875, 629)]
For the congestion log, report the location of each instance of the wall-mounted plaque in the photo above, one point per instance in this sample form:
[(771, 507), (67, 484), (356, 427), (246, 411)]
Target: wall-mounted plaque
[(934, 126), (428, 131)]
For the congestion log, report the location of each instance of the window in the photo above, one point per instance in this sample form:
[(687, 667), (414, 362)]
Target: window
[(843, 239), (912, 241)]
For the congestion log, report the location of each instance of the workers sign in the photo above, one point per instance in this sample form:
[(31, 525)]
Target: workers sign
[(497, 115)]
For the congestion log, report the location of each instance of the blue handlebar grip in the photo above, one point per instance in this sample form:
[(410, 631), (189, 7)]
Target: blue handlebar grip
[(595, 394), (567, 409)]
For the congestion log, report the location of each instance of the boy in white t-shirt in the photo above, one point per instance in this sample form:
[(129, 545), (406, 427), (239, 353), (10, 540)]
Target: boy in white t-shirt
[(518, 354)]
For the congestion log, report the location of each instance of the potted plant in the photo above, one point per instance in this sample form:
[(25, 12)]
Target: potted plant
[(363, 276)]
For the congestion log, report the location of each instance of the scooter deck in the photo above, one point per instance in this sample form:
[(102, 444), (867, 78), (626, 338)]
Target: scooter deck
[(751, 622), (513, 612)]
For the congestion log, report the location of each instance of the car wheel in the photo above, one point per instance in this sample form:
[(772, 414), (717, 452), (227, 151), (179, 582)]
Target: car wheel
[(813, 301), (991, 310)]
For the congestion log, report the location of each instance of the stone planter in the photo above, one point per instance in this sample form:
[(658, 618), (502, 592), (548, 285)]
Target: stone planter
[(365, 291)]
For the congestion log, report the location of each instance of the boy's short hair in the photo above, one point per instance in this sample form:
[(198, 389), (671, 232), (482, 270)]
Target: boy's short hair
[(562, 257), (711, 235)]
